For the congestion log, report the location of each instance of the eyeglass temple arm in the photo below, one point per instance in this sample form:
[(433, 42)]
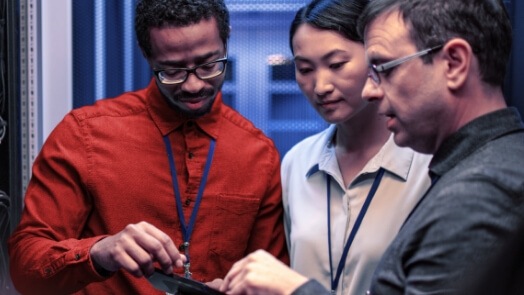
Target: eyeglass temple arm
[(394, 63)]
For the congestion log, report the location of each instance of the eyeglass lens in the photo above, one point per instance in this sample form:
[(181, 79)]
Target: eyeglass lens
[(203, 72)]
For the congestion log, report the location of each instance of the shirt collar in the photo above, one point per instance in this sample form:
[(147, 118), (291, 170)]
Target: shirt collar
[(472, 136), (324, 161), (168, 119), (394, 159)]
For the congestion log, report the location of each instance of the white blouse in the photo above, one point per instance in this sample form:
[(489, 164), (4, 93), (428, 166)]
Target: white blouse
[(304, 170)]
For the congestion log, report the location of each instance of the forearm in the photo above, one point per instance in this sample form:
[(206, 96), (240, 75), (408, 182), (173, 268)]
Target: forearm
[(42, 266), (47, 248), (311, 287)]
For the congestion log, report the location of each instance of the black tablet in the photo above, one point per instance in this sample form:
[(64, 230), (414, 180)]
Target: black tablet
[(175, 283)]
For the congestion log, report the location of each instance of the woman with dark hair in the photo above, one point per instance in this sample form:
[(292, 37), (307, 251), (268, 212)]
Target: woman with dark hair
[(346, 190)]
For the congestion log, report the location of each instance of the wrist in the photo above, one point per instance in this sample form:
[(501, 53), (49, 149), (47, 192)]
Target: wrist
[(101, 270)]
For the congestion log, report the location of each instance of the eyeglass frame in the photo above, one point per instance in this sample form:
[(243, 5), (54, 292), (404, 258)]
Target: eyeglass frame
[(192, 70), (375, 70)]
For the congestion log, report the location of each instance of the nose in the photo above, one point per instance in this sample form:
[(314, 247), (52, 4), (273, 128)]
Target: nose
[(323, 84), (193, 84), (372, 92)]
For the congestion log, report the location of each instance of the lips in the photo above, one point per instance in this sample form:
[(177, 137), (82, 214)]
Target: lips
[(390, 123), (325, 104), (193, 103), (192, 100)]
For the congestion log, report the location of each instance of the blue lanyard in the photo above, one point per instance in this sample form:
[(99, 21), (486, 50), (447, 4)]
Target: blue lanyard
[(342, 262), (187, 230)]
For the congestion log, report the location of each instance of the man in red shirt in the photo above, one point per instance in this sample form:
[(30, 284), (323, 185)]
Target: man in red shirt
[(167, 176)]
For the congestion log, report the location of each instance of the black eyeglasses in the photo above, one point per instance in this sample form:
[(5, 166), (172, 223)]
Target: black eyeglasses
[(374, 70), (204, 71)]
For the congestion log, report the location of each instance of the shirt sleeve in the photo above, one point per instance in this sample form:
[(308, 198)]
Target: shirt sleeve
[(463, 229), (311, 287), (284, 174), (46, 250), (269, 226)]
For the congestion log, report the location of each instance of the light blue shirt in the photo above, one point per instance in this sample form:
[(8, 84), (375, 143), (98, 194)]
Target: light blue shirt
[(304, 170)]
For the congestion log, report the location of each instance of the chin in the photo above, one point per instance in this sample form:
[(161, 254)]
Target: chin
[(400, 139), (417, 145), (333, 118), (195, 113)]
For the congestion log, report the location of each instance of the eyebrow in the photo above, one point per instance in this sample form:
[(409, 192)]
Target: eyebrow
[(325, 57), (375, 59), (198, 60)]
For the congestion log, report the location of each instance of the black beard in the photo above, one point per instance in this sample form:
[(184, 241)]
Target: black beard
[(193, 114)]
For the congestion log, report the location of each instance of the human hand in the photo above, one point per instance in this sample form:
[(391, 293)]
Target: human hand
[(261, 273), (135, 248), (215, 284)]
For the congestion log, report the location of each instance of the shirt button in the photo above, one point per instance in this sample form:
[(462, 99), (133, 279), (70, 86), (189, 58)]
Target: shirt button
[(190, 155), (77, 256)]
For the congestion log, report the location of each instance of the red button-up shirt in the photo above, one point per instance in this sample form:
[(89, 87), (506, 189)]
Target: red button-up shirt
[(106, 166)]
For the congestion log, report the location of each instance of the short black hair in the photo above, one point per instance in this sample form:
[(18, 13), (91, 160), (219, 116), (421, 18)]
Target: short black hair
[(177, 13)]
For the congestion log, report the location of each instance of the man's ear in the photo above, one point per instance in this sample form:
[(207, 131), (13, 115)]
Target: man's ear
[(459, 56)]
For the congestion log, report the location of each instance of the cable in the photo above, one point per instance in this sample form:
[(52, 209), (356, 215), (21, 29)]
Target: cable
[(3, 127), (3, 90), (4, 233), (3, 42)]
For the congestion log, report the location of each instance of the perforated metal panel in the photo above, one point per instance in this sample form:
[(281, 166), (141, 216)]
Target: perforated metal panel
[(29, 86), (260, 80)]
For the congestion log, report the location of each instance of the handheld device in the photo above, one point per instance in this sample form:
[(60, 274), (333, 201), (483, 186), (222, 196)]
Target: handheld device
[(175, 283)]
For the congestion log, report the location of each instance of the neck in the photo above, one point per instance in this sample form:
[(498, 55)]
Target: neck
[(363, 132), (357, 141), (476, 102)]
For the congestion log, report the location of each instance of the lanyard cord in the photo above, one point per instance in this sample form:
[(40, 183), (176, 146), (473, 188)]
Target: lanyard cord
[(187, 230), (342, 262)]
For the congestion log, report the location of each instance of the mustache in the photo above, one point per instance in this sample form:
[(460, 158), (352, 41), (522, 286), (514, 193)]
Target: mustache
[(189, 96)]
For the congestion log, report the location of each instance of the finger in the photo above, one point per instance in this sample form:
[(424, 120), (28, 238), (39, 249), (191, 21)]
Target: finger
[(120, 251), (162, 248), (215, 284), (143, 258), (232, 274), (130, 265), (238, 288), (238, 283)]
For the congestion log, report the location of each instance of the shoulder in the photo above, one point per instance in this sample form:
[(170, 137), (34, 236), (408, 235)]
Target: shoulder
[(487, 187), (238, 130), (128, 103), (237, 121), (496, 169), (480, 196), (309, 148)]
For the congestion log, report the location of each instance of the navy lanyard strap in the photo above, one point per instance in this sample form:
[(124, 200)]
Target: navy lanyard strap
[(188, 229), (342, 262)]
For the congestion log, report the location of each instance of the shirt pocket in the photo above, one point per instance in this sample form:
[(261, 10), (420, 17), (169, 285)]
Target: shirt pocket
[(235, 216)]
